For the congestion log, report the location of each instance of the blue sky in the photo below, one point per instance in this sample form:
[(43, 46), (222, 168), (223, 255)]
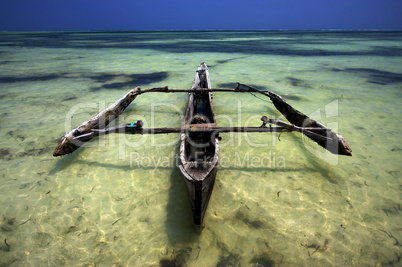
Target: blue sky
[(32, 15)]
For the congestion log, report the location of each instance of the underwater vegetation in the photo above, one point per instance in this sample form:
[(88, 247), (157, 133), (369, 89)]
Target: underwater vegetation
[(108, 80), (374, 75)]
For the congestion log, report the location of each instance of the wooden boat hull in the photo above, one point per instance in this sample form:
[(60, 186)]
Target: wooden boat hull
[(199, 152), (199, 178)]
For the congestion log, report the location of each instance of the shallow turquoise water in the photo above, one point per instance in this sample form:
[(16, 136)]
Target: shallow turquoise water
[(122, 200)]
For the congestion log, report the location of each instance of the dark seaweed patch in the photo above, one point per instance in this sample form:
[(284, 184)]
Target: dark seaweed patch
[(39, 77), (262, 261), (11, 61), (227, 85), (34, 152), (217, 41), (17, 137), (294, 81), (70, 98), (374, 76), (11, 221), (170, 263), (104, 77), (69, 58), (297, 82), (387, 50), (109, 80), (242, 215), (378, 76), (8, 224), (255, 224), (178, 260), (118, 81), (5, 153), (229, 260), (294, 97)]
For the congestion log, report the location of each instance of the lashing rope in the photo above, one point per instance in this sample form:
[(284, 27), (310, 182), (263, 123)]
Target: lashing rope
[(132, 128)]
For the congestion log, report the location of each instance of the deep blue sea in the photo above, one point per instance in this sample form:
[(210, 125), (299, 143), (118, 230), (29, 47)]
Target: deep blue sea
[(278, 200)]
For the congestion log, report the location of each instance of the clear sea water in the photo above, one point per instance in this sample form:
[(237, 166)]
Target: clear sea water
[(278, 200)]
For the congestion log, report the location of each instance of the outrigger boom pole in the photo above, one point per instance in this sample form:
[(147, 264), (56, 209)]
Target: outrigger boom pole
[(299, 122), (136, 128), (165, 89)]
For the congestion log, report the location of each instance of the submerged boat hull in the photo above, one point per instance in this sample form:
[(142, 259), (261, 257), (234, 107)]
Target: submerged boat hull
[(199, 178)]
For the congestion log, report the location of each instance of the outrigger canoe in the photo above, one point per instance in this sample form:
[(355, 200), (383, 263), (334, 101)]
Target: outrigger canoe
[(199, 146), (199, 152)]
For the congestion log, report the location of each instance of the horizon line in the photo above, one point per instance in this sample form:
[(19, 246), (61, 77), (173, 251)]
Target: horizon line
[(201, 30)]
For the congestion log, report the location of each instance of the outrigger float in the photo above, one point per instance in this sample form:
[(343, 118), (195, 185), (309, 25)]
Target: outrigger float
[(199, 148)]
